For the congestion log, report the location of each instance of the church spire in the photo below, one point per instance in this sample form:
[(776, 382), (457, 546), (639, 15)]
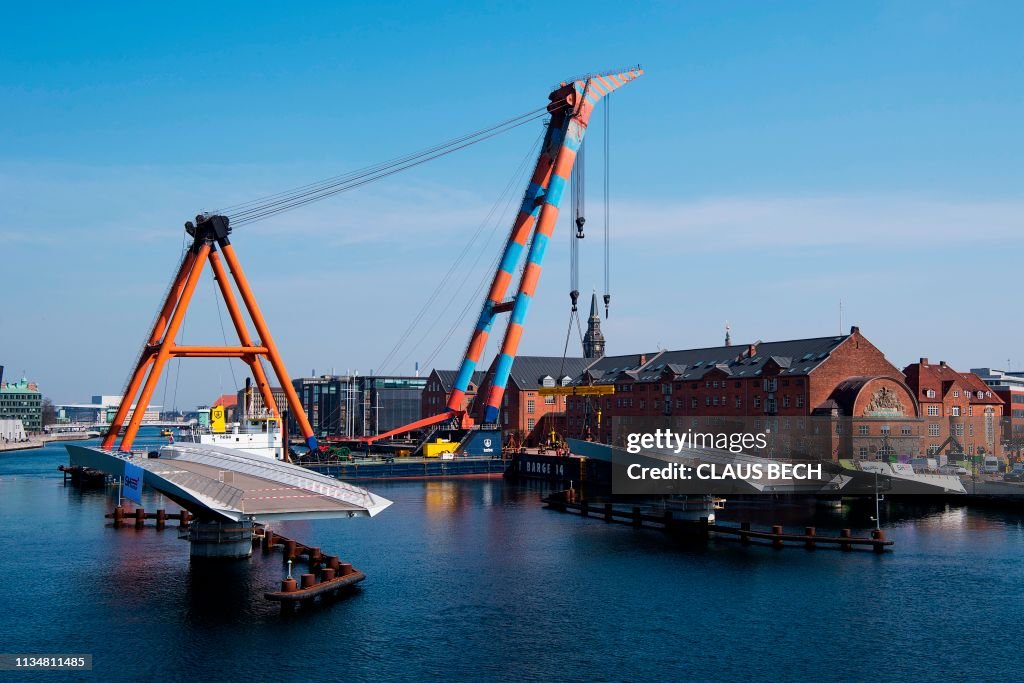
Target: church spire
[(728, 334), (593, 340)]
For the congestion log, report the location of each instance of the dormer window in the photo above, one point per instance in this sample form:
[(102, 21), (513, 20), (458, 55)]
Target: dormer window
[(930, 393), (547, 381)]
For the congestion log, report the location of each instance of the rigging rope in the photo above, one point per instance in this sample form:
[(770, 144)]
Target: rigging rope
[(284, 201), (384, 365), (223, 334), (607, 204)]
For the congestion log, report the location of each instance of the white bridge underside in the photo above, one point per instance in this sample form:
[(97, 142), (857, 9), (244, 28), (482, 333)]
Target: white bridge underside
[(237, 485)]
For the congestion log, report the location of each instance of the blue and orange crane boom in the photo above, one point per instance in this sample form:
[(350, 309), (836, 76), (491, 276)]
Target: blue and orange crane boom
[(571, 105)]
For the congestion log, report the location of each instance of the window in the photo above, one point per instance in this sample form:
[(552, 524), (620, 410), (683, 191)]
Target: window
[(956, 411), (757, 401), (933, 450), (904, 430), (930, 393), (785, 401), (530, 424), (933, 411), (643, 403), (863, 451), (885, 430), (707, 400), (933, 430), (863, 430), (739, 402), (799, 401), (715, 401), (529, 406), (956, 393), (771, 384), (693, 402), (549, 400)]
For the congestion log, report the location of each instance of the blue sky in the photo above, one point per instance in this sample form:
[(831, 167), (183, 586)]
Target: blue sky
[(776, 158)]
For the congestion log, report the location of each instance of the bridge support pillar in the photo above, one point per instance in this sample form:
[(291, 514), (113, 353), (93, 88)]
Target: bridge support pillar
[(220, 540)]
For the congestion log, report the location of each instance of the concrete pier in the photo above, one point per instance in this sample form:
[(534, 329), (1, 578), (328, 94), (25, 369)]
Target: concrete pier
[(220, 540)]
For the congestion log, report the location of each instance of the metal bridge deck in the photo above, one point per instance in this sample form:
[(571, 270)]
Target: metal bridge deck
[(235, 484)]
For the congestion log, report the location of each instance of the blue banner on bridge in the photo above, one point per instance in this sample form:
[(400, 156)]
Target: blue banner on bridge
[(131, 483)]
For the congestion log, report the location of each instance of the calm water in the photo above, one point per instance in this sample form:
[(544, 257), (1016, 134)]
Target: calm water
[(473, 579)]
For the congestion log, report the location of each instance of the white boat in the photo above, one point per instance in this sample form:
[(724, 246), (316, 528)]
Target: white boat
[(258, 436)]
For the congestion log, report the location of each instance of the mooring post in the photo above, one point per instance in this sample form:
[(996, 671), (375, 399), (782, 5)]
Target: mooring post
[(845, 533), (140, 518), (879, 537), (777, 536), (118, 517), (809, 532), (161, 518), (289, 550)]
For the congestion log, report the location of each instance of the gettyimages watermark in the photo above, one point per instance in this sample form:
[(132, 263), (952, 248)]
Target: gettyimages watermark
[(664, 461)]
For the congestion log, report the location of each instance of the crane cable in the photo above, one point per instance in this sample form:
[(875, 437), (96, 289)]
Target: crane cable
[(272, 205), (438, 290), (607, 204)]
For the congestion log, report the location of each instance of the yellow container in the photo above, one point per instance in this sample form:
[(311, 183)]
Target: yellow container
[(435, 449)]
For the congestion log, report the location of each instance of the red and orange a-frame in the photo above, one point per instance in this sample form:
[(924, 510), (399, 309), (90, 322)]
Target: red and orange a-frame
[(209, 233)]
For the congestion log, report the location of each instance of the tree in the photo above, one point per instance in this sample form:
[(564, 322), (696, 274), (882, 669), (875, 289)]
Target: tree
[(49, 412)]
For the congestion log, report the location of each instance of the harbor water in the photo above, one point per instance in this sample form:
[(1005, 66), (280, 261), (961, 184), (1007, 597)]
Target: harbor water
[(473, 579)]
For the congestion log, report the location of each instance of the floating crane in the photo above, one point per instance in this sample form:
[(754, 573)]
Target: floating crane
[(571, 105)]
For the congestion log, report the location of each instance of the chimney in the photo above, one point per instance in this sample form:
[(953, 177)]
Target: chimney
[(942, 364), (643, 359), (854, 330), (924, 362), (751, 350)]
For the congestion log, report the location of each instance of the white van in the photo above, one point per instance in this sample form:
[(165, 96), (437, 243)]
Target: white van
[(990, 465)]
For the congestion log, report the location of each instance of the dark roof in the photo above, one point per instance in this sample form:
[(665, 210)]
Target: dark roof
[(447, 378), (528, 371), (794, 357)]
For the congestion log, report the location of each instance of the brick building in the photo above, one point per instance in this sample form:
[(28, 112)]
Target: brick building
[(439, 389), (833, 397), (1008, 386), (961, 412), (523, 410)]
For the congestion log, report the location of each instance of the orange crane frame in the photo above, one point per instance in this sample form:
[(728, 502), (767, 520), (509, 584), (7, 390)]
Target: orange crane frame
[(209, 232)]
